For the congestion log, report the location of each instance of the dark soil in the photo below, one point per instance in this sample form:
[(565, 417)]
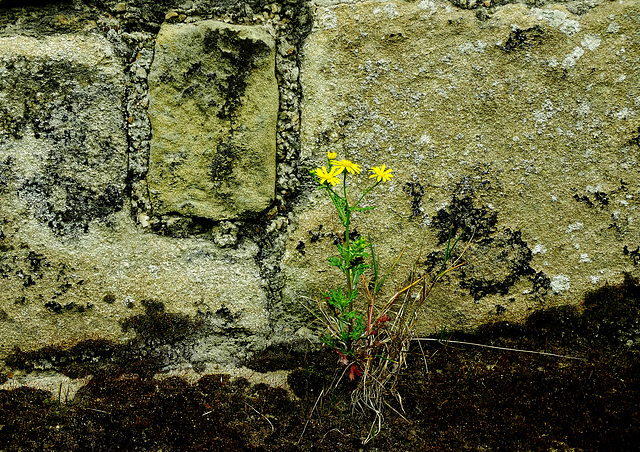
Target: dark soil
[(455, 397)]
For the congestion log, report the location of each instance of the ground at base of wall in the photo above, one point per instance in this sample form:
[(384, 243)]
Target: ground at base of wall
[(455, 397)]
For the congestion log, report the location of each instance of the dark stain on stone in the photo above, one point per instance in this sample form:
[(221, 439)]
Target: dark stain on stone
[(336, 239), (602, 198), (223, 163), (194, 69), (496, 260), (541, 284), (433, 260), (482, 14), (69, 360), (11, 124), (82, 204), (462, 218), (416, 191), (523, 38), (240, 56), (226, 314), (353, 235), (7, 172), (505, 258), (3, 316), (109, 298), (53, 306), (28, 281), (35, 261), (46, 100), (167, 78), (160, 338), (635, 139), (57, 308), (300, 247), (190, 89), (156, 325), (633, 254), (316, 235), (181, 227), (583, 198), (599, 196)]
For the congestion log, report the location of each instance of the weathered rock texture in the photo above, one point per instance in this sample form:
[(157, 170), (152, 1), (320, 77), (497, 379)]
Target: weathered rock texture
[(155, 194), (114, 164), (517, 126), (213, 105), (58, 163), (73, 264)]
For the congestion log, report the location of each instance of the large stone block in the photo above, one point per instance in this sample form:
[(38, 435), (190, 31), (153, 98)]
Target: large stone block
[(520, 127), (62, 135), (213, 105)]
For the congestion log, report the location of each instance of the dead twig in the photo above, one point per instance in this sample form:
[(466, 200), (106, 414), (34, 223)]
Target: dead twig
[(98, 411), (262, 415), (309, 418), (440, 341)]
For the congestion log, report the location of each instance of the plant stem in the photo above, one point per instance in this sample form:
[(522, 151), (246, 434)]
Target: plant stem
[(365, 193), (347, 224)]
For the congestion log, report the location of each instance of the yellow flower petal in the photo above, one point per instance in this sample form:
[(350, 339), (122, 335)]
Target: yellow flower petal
[(342, 165), (381, 173), (332, 155), (327, 176)]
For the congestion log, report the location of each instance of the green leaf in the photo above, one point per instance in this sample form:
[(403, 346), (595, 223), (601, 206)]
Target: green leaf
[(328, 341), (336, 262), (357, 328), (338, 300)]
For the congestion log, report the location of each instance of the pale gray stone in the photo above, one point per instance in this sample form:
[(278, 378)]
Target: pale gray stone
[(62, 135)]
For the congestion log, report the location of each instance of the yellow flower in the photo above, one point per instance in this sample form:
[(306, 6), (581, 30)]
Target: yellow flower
[(381, 173), (327, 176), (342, 165), (331, 155)]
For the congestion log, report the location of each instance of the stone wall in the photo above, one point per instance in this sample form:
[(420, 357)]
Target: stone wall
[(155, 157), (148, 156)]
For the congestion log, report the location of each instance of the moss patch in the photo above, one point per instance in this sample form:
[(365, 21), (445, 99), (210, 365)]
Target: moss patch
[(159, 336)]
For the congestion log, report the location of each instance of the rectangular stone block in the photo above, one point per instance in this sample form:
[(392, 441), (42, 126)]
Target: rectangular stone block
[(213, 105), (63, 143)]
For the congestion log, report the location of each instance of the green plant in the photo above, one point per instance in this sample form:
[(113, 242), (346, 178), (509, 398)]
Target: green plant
[(372, 341), (347, 326)]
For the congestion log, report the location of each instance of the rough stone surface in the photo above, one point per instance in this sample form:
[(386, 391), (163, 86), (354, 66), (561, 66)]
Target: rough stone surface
[(91, 269), (73, 264), (56, 159), (213, 105), (519, 125)]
